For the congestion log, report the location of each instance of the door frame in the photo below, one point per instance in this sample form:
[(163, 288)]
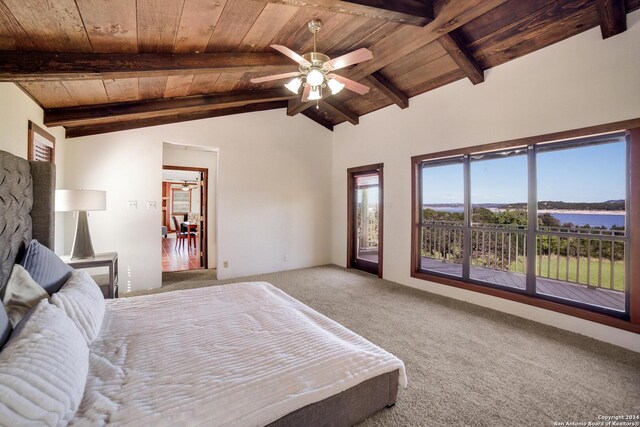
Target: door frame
[(351, 229), (204, 200)]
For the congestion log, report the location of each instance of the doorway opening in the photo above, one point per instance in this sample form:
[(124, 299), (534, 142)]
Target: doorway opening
[(184, 218), (365, 218)]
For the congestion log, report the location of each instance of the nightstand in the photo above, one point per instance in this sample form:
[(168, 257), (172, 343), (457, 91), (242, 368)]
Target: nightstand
[(108, 282)]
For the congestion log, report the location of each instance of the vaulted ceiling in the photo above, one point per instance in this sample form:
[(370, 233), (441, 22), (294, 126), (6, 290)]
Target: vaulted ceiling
[(100, 66)]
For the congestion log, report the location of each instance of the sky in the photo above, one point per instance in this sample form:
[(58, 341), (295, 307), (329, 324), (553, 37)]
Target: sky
[(586, 174)]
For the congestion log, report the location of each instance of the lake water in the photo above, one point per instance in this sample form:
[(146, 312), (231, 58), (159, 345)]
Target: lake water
[(593, 220)]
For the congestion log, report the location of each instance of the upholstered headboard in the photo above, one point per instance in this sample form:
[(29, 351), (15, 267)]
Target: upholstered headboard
[(27, 195)]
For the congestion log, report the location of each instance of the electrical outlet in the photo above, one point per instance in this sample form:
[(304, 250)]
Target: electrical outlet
[(132, 204), (285, 258), (152, 204), (225, 264)]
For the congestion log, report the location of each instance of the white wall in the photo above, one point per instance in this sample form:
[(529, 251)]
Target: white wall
[(274, 192), (176, 155), (580, 82), (16, 109)]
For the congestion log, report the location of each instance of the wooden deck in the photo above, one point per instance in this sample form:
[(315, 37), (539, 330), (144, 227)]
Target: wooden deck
[(570, 291), (370, 255)]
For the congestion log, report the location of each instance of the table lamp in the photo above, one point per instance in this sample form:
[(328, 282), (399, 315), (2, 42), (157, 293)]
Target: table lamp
[(81, 201)]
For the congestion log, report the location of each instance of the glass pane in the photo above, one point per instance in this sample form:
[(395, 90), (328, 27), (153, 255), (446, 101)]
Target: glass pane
[(499, 257), (499, 189), (581, 218), (443, 193), (443, 213), (367, 197), (499, 196), (442, 250)]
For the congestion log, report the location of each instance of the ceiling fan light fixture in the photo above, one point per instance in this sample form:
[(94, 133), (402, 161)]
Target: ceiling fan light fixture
[(315, 94), (335, 86), (315, 70), (294, 85), (315, 77)]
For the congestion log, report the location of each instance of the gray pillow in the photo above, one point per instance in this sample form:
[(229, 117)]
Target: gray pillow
[(21, 294), (5, 326), (45, 267)]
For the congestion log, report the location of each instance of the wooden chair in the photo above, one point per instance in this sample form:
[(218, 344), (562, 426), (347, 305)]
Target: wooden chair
[(180, 235)]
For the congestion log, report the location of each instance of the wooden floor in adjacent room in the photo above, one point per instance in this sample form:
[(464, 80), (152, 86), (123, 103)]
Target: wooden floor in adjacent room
[(179, 258)]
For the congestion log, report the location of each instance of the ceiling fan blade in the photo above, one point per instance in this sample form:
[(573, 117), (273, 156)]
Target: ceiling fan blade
[(352, 85), (274, 77), (360, 55), (305, 93), (291, 54)]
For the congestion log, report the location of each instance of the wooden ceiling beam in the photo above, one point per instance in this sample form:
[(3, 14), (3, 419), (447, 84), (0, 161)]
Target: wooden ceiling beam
[(407, 39), (47, 66), (340, 110), (296, 106), (391, 91), (318, 119), (135, 110), (78, 131), (457, 51), (613, 17), (409, 12)]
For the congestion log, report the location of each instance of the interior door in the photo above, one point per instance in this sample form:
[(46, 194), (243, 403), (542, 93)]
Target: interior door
[(365, 218)]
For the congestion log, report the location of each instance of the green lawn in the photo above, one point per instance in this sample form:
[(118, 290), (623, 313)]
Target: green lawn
[(618, 271)]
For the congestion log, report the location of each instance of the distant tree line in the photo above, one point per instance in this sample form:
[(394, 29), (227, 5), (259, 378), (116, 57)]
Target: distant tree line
[(610, 205)]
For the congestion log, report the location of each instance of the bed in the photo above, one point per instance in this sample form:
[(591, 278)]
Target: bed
[(239, 354)]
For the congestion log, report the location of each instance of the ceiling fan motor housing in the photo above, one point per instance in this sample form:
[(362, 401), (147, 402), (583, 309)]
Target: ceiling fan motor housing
[(314, 25)]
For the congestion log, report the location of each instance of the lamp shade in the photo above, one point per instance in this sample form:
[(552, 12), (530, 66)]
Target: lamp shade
[(80, 200)]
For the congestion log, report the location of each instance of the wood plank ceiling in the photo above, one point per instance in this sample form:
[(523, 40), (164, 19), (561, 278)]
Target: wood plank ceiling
[(99, 66)]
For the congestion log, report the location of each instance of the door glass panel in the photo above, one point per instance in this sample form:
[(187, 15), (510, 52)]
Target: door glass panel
[(367, 199)]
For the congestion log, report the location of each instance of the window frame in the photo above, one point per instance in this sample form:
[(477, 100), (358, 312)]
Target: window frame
[(34, 129), (630, 322)]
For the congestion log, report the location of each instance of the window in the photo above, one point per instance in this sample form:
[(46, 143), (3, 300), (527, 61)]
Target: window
[(180, 200), (41, 144), (547, 223)]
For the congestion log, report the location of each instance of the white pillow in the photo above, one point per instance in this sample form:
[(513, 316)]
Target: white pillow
[(43, 370), (21, 294), (81, 299)]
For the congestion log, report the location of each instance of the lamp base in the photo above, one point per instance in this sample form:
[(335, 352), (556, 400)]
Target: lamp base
[(82, 246)]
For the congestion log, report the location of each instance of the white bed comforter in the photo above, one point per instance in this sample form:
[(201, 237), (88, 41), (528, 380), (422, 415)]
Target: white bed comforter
[(237, 355)]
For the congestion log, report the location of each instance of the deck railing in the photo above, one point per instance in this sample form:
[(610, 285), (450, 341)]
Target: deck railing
[(585, 256)]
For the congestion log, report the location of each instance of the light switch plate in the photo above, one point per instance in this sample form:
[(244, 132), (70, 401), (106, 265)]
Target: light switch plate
[(152, 204), (132, 204)]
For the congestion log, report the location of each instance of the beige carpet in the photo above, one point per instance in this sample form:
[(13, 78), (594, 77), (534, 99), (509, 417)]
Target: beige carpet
[(466, 365)]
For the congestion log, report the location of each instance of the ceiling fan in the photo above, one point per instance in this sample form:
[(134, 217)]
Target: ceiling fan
[(316, 70), (184, 185)]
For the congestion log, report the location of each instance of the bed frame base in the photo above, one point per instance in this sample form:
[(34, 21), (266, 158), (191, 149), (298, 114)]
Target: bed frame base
[(347, 408)]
